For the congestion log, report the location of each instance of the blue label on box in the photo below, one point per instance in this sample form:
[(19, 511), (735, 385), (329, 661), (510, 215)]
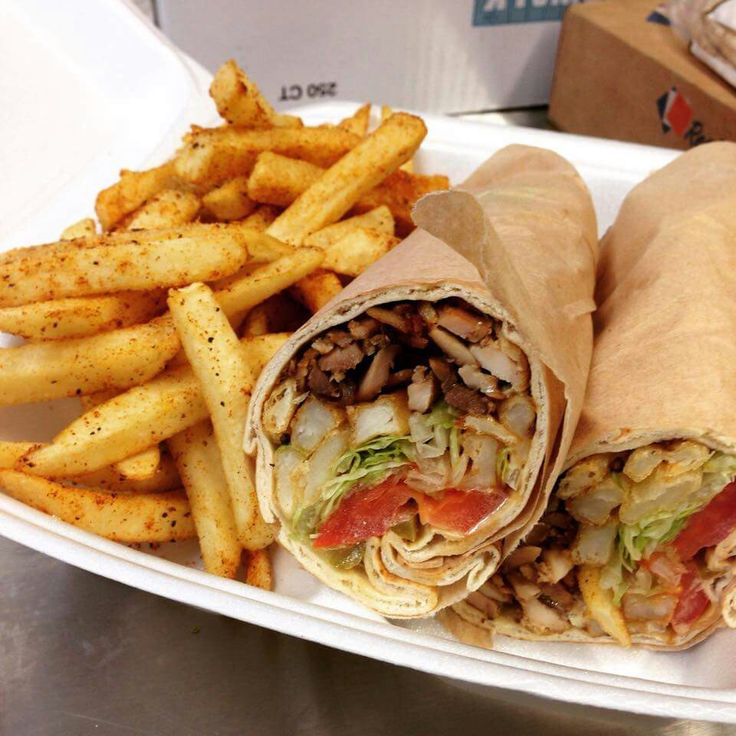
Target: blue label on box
[(503, 12)]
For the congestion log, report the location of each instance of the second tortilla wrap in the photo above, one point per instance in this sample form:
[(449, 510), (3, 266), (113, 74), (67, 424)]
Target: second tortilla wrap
[(527, 221), (637, 544)]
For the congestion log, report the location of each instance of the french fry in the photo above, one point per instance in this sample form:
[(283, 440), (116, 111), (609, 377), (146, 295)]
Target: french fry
[(209, 156), (117, 359), (151, 517), (198, 459), (399, 192), (386, 113), (354, 252), (256, 321), (140, 466), (11, 452), (262, 217), (54, 272), (85, 228), (379, 219), (166, 478), (240, 102), (275, 179), (131, 191), (258, 569), (121, 427), (60, 319), (169, 208), (217, 360), (229, 201), (259, 349), (317, 289), (354, 175), (243, 294), (358, 122)]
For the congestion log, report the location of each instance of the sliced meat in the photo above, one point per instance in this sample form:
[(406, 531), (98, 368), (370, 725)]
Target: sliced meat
[(377, 375), (390, 317), (452, 347), (468, 325), (363, 327), (320, 384), (466, 400), (422, 391), (474, 377), (341, 359)]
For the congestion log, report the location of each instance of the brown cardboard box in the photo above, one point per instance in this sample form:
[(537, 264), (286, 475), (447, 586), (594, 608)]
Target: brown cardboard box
[(619, 75)]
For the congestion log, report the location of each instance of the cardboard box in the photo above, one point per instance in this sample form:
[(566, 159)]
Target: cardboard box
[(622, 73), (431, 55)]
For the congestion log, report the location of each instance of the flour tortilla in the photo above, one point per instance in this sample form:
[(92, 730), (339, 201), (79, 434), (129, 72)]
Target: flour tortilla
[(526, 220)]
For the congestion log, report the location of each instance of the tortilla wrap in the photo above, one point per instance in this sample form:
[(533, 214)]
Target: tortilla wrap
[(662, 372), (526, 220)]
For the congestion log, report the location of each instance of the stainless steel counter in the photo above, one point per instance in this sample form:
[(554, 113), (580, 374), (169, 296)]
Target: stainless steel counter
[(82, 655)]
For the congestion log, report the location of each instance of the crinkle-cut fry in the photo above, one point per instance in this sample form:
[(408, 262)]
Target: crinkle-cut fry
[(240, 102), (317, 289), (275, 178), (358, 122), (354, 175), (70, 317), (256, 321), (197, 457), (262, 217), (399, 192), (357, 250), (54, 273), (85, 228), (209, 156), (121, 427), (216, 358), (229, 201), (129, 518), (131, 191), (379, 219), (243, 294), (168, 208), (60, 368), (258, 569), (259, 349)]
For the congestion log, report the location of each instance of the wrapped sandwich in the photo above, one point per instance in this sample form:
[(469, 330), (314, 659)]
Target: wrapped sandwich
[(409, 428), (638, 542)]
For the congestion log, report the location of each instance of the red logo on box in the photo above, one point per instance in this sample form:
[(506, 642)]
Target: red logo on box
[(676, 114)]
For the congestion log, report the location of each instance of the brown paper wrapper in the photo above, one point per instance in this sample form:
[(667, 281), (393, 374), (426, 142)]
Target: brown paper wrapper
[(665, 336), (529, 227)]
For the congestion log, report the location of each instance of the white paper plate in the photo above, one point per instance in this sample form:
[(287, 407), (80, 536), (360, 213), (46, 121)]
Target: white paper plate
[(143, 94)]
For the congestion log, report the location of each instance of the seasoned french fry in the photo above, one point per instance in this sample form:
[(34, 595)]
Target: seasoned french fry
[(275, 179), (258, 569), (217, 360), (166, 478), (354, 175), (386, 113), (399, 192), (259, 349), (358, 122), (243, 294), (240, 102), (117, 359), (209, 156), (151, 517), (197, 456), (121, 427), (11, 452), (229, 201), (379, 219), (354, 252), (256, 321), (169, 208), (85, 228), (317, 289), (60, 319), (262, 217), (53, 272), (140, 466), (131, 191)]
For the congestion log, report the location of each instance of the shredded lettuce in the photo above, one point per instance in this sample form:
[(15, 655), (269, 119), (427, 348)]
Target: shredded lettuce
[(503, 464)]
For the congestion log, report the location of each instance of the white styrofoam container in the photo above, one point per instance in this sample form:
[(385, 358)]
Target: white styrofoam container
[(434, 55), (699, 684)]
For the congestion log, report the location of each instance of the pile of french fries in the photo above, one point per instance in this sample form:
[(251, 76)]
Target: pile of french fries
[(162, 322)]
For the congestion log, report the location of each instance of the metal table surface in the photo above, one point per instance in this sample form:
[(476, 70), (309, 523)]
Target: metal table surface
[(82, 655)]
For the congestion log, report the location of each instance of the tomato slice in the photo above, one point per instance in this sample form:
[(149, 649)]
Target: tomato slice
[(372, 512), (692, 602), (458, 511), (364, 514), (710, 525)]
